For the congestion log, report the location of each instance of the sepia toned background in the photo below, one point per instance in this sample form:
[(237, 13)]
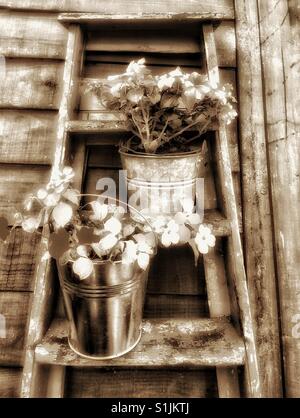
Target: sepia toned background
[(258, 51)]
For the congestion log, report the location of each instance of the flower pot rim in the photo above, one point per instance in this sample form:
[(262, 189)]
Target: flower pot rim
[(123, 151)]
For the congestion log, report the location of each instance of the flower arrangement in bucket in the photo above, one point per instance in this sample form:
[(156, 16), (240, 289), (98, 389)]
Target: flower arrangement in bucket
[(103, 253), (166, 115)]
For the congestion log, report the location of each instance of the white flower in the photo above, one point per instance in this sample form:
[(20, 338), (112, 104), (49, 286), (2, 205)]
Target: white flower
[(62, 214), (116, 89), (52, 199), (30, 224), (187, 205), (165, 82), (68, 173), (82, 250), (100, 211), (113, 225), (83, 267), (135, 95), (137, 68), (170, 234), (159, 224), (42, 194), (204, 239)]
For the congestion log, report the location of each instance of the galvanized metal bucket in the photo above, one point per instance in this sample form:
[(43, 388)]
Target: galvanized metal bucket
[(104, 311), (159, 183)]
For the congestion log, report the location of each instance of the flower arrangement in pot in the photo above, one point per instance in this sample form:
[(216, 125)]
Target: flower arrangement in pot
[(103, 254), (160, 111)]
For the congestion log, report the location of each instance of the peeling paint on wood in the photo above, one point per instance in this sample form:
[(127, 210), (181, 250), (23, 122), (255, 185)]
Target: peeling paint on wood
[(164, 343)]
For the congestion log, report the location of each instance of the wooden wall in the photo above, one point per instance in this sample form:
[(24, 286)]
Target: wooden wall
[(265, 160), (34, 47)]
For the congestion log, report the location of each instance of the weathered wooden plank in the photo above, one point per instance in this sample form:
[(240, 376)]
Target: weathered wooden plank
[(38, 36), (17, 261), (234, 241), (14, 308), (225, 39), (164, 343), (140, 384), (31, 84), (219, 305), (10, 379), (16, 182), (27, 136), (33, 382), (256, 203), (280, 59), (134, 8)]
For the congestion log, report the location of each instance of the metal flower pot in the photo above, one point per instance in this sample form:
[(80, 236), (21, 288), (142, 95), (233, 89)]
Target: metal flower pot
[(159, 183), (105, 310)]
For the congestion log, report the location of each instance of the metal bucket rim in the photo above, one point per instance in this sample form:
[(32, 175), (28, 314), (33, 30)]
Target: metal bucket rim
[(161, 156), (105, 289)]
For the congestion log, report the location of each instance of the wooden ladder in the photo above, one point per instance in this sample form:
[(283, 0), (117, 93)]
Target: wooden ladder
[(47, 352)]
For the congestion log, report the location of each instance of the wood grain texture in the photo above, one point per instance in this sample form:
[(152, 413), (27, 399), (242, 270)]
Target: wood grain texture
[(16, 182), (10, 379), (280, 58), (164, 344), (175, 306), (14, 307), (33, 382), (256, 200), (17, 261), (140, 384), (27, 137), (31, 84), (209, 8), (234, 241), (32, 36)]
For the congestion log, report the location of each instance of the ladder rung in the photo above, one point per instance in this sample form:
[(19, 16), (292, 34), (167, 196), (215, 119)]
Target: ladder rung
[(97, 126), (220, 225), (164, 343), (94, 18)]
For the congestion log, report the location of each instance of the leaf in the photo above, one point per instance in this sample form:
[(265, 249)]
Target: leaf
[(62, 214), (86, 235), (128, 230), (72, 195), (113, 225), (4, 231), (83, 267), (108, 242), (58, 243), (143, 260)]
